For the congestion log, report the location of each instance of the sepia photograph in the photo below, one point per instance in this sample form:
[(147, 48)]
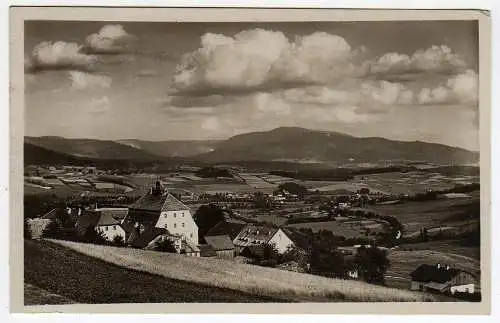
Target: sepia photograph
[(301, 161)]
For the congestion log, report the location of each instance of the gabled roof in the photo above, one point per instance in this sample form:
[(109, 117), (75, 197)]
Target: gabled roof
[(158, 203), (431, 273), (173, 204), (254, 235), (107, 219), (219, 243), (115, 212), (298, 238), (207, 251), (231, 229), (141, 240), (88, 219)]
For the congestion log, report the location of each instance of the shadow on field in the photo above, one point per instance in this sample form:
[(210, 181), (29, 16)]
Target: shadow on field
[(83, 279)]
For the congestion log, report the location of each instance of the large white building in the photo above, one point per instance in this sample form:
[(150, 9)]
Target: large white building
[(159, 213)]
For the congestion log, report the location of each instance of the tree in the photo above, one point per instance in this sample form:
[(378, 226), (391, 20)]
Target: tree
[(52, 230), (27, 230), (166, 245), (94, 236), (372, 263), (118, 241), (328, 263), (206, 217), (293, 188)]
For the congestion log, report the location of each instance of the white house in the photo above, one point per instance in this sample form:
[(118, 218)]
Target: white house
[(281, 238), (281, 241), (110, 226), (176, 217), (158, 213)]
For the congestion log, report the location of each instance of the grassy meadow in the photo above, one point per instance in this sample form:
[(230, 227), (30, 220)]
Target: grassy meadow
[(248, 279)]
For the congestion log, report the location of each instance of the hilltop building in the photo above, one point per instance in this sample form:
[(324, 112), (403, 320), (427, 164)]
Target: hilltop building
[(159, 213)]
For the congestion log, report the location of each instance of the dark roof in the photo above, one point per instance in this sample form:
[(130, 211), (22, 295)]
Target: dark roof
[(137, 216), (141, 240), (158, 203), (299, 239), (107, 219), (207, 251), (117, 213), (220, 242), (173, 204), (431, 273), (252, 251), (87, 219), (254, 235), (231, 229)]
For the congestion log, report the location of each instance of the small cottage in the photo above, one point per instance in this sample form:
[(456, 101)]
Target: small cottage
[(222, 245), (443, 279)]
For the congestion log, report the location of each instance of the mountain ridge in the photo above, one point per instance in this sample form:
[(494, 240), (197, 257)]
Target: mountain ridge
[(283, 143)]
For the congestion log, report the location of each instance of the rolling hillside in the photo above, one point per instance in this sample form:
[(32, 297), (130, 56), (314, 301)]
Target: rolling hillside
[(298, 144), (255, 280), (91, 148), (173, 148), (289, 145), (54, 274)]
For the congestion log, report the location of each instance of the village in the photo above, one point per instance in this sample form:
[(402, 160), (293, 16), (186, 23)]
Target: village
[(290, 227)]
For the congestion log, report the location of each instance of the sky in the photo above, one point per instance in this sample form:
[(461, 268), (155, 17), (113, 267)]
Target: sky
[(168, 81)]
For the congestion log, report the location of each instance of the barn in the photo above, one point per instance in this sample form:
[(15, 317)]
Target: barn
[(443, 279)]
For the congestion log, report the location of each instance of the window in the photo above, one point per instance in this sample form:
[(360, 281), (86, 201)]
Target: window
[(174, 215), (106, 228), (191, 235), (114, 227), (183, 224), (175, 225)]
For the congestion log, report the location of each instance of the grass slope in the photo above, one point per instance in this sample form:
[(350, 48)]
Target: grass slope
[(54, 274), (246, 278)]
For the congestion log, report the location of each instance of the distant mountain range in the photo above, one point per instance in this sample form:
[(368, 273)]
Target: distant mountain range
[(285, 144)]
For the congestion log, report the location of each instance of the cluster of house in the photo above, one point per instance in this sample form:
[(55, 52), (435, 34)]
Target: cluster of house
[(158, 215)]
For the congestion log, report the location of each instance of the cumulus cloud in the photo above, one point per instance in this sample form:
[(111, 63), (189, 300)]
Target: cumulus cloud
[(111, 39), (459, 89), (82, 81), (59, 55), (260, 58), (436, 59)]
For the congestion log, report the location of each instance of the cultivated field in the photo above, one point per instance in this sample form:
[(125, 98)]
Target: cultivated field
[(436, 213), (245, 278), (404, 262)]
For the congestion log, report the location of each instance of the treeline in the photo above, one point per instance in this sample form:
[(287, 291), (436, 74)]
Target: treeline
[(339, 174), (213, 172), (37, 205)]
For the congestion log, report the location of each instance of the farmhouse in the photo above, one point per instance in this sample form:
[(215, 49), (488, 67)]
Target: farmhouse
[(226, 228), (442, 278), (222, 245), (110, 226), (252, 235), (159, 213)]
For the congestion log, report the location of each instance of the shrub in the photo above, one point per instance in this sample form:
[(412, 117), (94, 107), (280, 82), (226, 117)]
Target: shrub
[(118, 241), (165, 245)]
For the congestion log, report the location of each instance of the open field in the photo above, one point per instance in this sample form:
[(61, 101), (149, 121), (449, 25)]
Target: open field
[(404, 262), (436, 213), (54, 269), (245, 278), (445, 246)]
